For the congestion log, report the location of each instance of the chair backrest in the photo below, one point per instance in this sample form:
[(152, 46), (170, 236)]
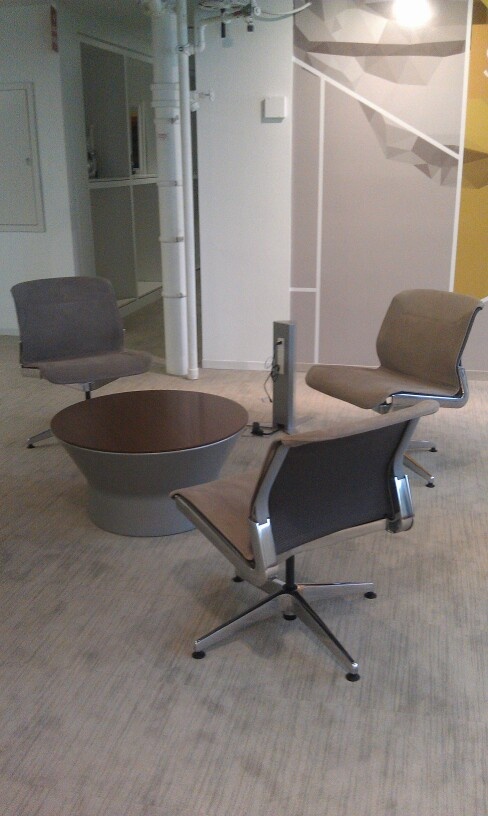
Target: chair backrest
[(313, 485), (63, 318), (424, 333)]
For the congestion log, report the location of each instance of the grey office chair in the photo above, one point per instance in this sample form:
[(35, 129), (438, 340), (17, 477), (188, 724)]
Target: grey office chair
[(419, 346), (71, 333), (313, 489)]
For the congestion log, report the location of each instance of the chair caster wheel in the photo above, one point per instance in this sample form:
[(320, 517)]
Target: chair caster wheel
[(370, 595), (237, 579), (433, 449), (198, 655), (352, 677), (30, 445), (430, 484), (288, 616)]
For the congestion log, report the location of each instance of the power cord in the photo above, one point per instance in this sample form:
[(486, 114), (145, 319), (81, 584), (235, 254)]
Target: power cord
[(274, 370), (256, 428)]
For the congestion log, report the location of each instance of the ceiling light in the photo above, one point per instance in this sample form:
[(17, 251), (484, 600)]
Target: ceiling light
[(412, 13)]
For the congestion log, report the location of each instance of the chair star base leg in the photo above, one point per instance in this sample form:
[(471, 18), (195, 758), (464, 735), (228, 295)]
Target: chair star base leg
[(39, 437), (422, 445), (263, 609), (324, 592), (309, 617), (414, 466)]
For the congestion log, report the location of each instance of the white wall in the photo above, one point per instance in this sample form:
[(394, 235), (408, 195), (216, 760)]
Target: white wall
[(244, 166), (66, 246), (70, 27), (75, 142), (244, 192), (368, 219), (26, 56)]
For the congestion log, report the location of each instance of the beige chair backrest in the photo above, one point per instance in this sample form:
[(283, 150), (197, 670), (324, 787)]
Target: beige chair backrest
[(424, 333)]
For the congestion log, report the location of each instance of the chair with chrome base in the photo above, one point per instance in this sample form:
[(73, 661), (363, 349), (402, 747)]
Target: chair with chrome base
[(71, 333), (419, 346), (314, 489)]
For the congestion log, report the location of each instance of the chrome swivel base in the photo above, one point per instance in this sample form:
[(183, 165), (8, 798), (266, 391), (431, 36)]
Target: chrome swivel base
[(292, 601)]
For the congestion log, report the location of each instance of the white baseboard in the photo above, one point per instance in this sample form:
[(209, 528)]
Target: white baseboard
[(236, 365)]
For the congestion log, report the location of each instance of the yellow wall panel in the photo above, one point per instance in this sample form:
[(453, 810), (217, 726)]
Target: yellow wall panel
[(472, 255), (472, 251)]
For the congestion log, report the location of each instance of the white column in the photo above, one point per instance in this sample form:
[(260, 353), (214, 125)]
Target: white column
[(166, 103), (184, 51)]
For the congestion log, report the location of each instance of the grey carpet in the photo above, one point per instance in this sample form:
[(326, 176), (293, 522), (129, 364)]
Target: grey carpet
[(103, 711)]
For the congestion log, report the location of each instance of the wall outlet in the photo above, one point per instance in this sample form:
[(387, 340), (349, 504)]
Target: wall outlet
[(280, 354)]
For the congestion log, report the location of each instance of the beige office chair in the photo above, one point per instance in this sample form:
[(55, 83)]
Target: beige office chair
[(71, 333), (314, 489), (419, 346)]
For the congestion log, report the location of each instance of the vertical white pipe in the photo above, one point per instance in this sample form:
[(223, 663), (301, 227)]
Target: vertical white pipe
[(166, 103), (187, 165)]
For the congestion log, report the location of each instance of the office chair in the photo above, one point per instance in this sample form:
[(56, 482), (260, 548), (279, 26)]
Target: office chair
[(419, 346), (313, 489), (71, 333)]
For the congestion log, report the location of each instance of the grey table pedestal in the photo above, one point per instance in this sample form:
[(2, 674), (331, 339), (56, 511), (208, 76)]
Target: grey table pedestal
[(134, 448)]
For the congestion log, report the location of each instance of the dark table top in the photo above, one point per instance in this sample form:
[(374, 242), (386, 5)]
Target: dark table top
[(149, 421)]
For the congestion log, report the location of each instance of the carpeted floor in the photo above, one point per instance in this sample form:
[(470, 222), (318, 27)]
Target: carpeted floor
[(103, 711)]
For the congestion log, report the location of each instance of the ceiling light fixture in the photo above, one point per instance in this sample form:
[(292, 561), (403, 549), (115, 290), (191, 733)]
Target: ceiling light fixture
[(412, 13)]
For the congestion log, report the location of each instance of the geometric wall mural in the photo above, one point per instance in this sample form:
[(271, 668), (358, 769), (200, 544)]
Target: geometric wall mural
[(472, 251), (376, 154), (401, 145), (414, 73), (402, 69), (404, 63)]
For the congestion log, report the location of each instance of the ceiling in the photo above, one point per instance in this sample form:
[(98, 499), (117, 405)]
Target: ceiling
[(127, 13)]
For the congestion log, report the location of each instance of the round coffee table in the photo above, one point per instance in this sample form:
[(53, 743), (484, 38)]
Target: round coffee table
[(135, 447)]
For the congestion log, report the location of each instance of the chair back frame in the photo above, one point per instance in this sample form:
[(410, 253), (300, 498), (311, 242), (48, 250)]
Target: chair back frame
[(65, 318), (402, 399), (266, 556), (424, 334)]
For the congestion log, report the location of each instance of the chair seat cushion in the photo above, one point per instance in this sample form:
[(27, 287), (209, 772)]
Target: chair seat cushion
[(369, 387), (225, 505), (108, 366)]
